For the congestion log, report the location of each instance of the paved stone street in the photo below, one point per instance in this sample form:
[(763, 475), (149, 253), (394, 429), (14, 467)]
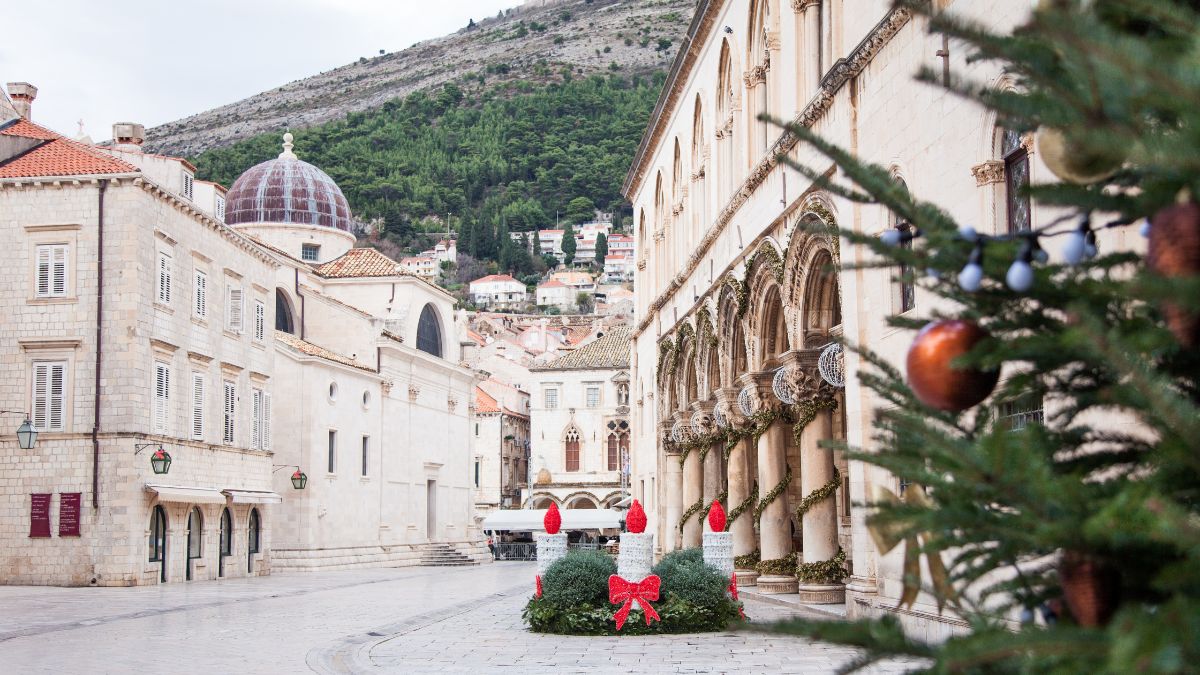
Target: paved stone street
[(408, 620)]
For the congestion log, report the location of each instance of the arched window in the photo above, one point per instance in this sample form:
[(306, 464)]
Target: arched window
[(158, 540), (253, 539), (226, 544), (1016, 180), (195, 543), (613, 453), (429, 332), (699, 192), (572, 450), (283, 313)]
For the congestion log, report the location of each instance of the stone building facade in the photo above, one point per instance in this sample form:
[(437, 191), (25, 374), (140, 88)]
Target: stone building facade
[(501, 445), (740, 285), (580, 426), (124, 334)]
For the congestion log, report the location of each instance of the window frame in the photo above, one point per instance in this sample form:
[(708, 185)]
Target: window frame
[(52, 265), (310, 252), (42, 416), (331, 459), (235, 309), (260, 320), (200, 294), (547, 396), (366, 456), (1015, 155), (196, 428), (229, 429), (160, 415), (165, 279)]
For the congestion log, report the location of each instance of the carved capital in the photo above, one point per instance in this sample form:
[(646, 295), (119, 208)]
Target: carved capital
[(989, 172), (755, 395), (413, 392), (774, 42), (641, 264), (451, 403), (799, 6)]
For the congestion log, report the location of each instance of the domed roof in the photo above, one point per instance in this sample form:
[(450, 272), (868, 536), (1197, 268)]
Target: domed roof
[(287, 190)]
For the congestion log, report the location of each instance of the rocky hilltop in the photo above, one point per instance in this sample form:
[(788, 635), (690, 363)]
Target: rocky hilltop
[(535, 42)]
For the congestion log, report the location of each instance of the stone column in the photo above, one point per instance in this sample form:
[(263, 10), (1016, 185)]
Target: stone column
[(811, 44), (774, 526), (702, 424), (673, 486), (741, 476), (693, 483)]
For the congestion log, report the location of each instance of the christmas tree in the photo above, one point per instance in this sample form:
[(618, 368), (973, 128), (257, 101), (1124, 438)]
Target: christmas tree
[(1072, 543)]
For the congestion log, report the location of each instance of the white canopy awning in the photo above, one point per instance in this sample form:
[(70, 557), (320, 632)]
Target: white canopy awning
[(530, 520), (253, 497), (190, 495)]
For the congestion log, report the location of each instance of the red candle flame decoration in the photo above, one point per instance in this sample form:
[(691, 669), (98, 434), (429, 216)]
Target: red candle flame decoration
[(553, 519), (716, 517), (635, 521)]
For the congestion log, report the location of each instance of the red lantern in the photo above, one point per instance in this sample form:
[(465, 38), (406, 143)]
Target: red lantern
[(553, 519), (931, 376), (716, 517), (635, 521)]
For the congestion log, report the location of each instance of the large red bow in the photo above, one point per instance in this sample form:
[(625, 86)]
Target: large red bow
[(622, 591)]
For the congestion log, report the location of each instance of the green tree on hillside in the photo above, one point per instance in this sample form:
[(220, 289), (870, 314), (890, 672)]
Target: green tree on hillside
[(568, 245), (601, 249), (580, 210)]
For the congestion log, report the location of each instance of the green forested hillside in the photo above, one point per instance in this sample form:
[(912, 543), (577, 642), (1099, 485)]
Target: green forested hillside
[(501, 158)]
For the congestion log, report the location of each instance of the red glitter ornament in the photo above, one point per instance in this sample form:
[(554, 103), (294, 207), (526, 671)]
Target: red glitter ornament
[(933, 379), (716, 517), (539, 585), (553, 519), (635, 522)]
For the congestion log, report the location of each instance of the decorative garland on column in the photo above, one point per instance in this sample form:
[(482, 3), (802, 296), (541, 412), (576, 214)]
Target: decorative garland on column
[(771, 496), (721, 497), (691, 511), (819, 495), (832, 571), (744, 506)]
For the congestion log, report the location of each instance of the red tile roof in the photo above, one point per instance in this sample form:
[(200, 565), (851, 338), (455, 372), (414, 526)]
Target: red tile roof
[(57, 156), (310, 349), (359, 262), (553, 283), (485, 403), (495, 277)]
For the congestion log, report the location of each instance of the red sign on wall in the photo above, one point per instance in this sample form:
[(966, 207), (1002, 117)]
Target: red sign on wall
[(68, 514), (39, 515)]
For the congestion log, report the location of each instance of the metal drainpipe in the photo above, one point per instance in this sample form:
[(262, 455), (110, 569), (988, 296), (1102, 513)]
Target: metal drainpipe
[(99, 342)]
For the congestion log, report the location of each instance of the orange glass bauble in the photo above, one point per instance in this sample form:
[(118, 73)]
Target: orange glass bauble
[(937, 383), (1174, 252)]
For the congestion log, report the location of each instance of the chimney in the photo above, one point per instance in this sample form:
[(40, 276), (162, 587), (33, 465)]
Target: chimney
[(128, 136), (22, 95)]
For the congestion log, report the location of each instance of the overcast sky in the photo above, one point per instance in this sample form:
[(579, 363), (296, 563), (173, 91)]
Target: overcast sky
[(154, 61)]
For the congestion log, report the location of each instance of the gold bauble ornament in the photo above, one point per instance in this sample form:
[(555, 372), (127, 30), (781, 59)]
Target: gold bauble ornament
[(1072, 163)]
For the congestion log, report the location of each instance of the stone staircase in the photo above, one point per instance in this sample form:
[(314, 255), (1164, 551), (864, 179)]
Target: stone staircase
[(444, 555)]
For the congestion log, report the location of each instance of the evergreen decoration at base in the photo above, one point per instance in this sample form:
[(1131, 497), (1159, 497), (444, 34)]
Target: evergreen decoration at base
[(692, 598), (779, 567), (748, 561), (832, 571), (1088, 503)]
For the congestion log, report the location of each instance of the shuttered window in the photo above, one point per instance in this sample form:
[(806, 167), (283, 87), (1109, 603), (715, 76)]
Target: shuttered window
[(197, 406), (256, 407), (162, 397), (260, 320), (164, 278), (265, 426), (230, 412), (52, 271), (233, 309), (188, 182), (49, 395), (200, 307)]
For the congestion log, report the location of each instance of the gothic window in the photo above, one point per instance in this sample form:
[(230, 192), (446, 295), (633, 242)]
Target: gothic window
[(1016, 181), (572, 450), (613, 453), (283, 313), (429, 332)]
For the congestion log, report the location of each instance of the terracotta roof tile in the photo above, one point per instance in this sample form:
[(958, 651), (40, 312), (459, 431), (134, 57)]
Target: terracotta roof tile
[(495, 277), (309, 349), (610, 351), (485, 403), (359, 262), (57, 156)]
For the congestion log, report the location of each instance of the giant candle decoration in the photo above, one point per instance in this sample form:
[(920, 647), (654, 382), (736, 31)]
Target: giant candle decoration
[(550, 544), (637, 546), (718, 544)]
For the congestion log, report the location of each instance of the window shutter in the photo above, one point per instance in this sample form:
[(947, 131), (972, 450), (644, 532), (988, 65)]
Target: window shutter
[(58, 378), (266, 423), (162, 396), (260, 320), (58, 275), (255, 418), (233, 309), (201, 308), (197, 406), (230, 396), (43, 271), (164, 278), (41, 395)]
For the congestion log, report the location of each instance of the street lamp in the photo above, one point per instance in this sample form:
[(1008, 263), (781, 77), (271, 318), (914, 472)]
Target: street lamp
[(26, 434), (299, 479), (160, 460)]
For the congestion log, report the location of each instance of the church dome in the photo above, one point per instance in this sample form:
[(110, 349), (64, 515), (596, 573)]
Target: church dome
[(287, 190)]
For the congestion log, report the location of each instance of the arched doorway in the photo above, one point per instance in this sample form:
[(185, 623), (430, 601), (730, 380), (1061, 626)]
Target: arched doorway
[(158, 541), (284, 317), (226, 545), (195, 541), (253, 539), (429, 331)]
